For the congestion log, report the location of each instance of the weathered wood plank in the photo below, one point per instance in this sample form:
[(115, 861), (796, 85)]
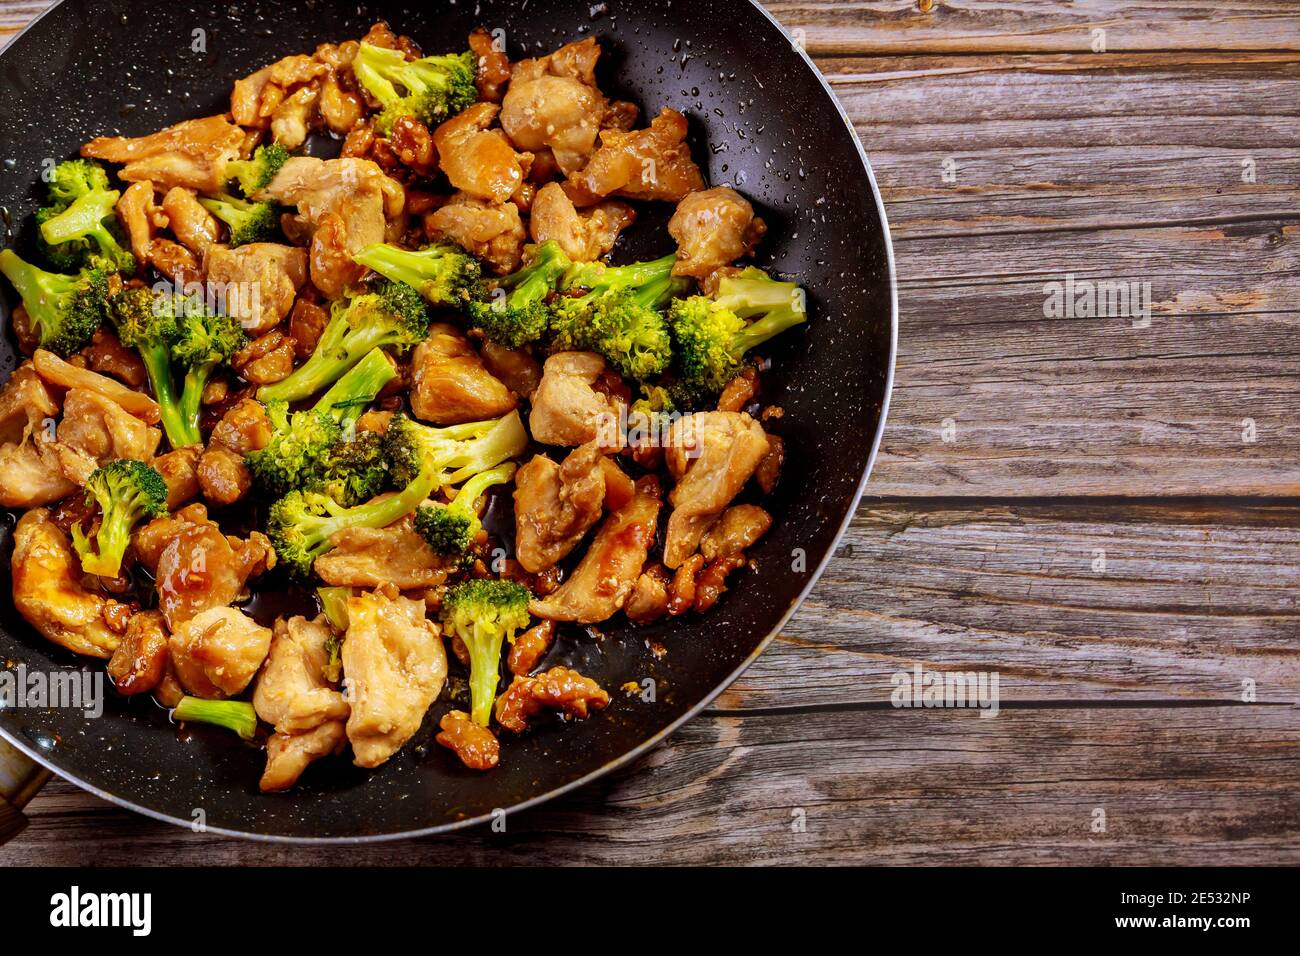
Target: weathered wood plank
[(1064, 600), (1177, 786), (1027, 26)]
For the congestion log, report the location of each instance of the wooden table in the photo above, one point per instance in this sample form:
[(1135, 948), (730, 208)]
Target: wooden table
[(1104, 511)]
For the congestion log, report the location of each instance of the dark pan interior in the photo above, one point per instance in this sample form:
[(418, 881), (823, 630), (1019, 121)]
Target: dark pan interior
[(762, 121)]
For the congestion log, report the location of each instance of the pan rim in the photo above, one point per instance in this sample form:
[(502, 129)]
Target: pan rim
[(660, 736)]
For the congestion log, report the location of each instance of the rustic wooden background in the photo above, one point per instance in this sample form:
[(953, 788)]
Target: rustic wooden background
[(1013, 149)]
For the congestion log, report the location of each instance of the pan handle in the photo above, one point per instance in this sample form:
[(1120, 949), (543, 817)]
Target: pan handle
[(20, 778)]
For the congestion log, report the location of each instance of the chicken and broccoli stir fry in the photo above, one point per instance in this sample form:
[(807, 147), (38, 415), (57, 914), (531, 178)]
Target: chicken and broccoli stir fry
[(250, 368)]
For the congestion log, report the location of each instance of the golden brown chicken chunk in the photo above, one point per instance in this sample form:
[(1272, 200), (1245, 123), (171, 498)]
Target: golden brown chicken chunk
[(95, 430), (192, 154), (54, 370), (605, 576), (567, 410), (29, 460), (559, 688), (288, 755), (449, 384), (140, 216), (140, 661), (585, 236), (651, 163), (713, 228), (217, 652), (735, 531), (190, 222), (516, 368), (395, 665), (48, 593), (553, 103), (555, 505), (179, 469), (477, 160), (712, 455), (477, 747), (222, 473), (492, 231), (369, 557), (257, 282)]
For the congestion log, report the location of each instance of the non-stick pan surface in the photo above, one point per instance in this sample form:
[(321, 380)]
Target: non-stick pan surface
[(762, 120)]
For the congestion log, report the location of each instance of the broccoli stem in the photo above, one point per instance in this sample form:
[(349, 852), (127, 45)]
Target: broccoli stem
[(596, 275), (236, 715), (760, 330), (340, 348), (347, 398), (196, 379), (334, 602), (484, 671)]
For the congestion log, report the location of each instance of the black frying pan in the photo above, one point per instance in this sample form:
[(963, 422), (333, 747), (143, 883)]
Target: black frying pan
[(763, 120)]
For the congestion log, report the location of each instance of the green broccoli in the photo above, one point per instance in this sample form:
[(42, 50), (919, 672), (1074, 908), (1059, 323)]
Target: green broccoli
[(236, 715), (443, 273), (458, 452), (334, 603), (712, 335), (65, 311), (484, 614), (127, 493), (312, 450), (245, 221), (520, 316), (391, 315), (618, 314), (256, 174), (451, 529), (431, 89), (147, 323), (204, 340), (78, 227)]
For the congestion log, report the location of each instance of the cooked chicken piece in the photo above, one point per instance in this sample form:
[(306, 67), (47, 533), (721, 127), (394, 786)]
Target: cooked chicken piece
[(25, 402), (255, 98), (107, 355), (395, 666), (294, 117), (346, 204), (190, 222), (477, 160), (47, 589), (97, 430), (604, 577), (493, 71), (174, 261), (649, 598), (712, 455), (735, 531), (566, 409), (288, 755), (194, 565), (529, 648), (768, 472), (266, 359), (555, 505), (584, 237), (179, 469), (292, 694), (217, 652), (140, 661), (169, 691), (306, 323), (369, 557), (492, 231), (559, 688), (449, 384), (477, 747), (651, 163), (222, 474), (712, 581), (66, 375), (553, 103), (516, 368), (713, 228), (256, 282), (140, 216), (192, 154), (29, 458)]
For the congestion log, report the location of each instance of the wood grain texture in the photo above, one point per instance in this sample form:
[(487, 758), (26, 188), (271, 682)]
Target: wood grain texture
[(1010, 155), (868, 785)]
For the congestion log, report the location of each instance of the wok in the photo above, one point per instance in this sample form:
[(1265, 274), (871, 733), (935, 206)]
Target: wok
[(762, 119)]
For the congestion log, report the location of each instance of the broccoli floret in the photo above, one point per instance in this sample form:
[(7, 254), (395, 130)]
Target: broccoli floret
[(517, 314), (457, 451), (303, 522), (431, 89), (204, 341), (127, 492), (443, 273), (256, 173), (334, 603), (392, 315), (712, 335), (619, 315), (65, 311), (147, 323), (451, 529), (484, 614), (77, 225), (245, 221), (313, 449), (236, 715)]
